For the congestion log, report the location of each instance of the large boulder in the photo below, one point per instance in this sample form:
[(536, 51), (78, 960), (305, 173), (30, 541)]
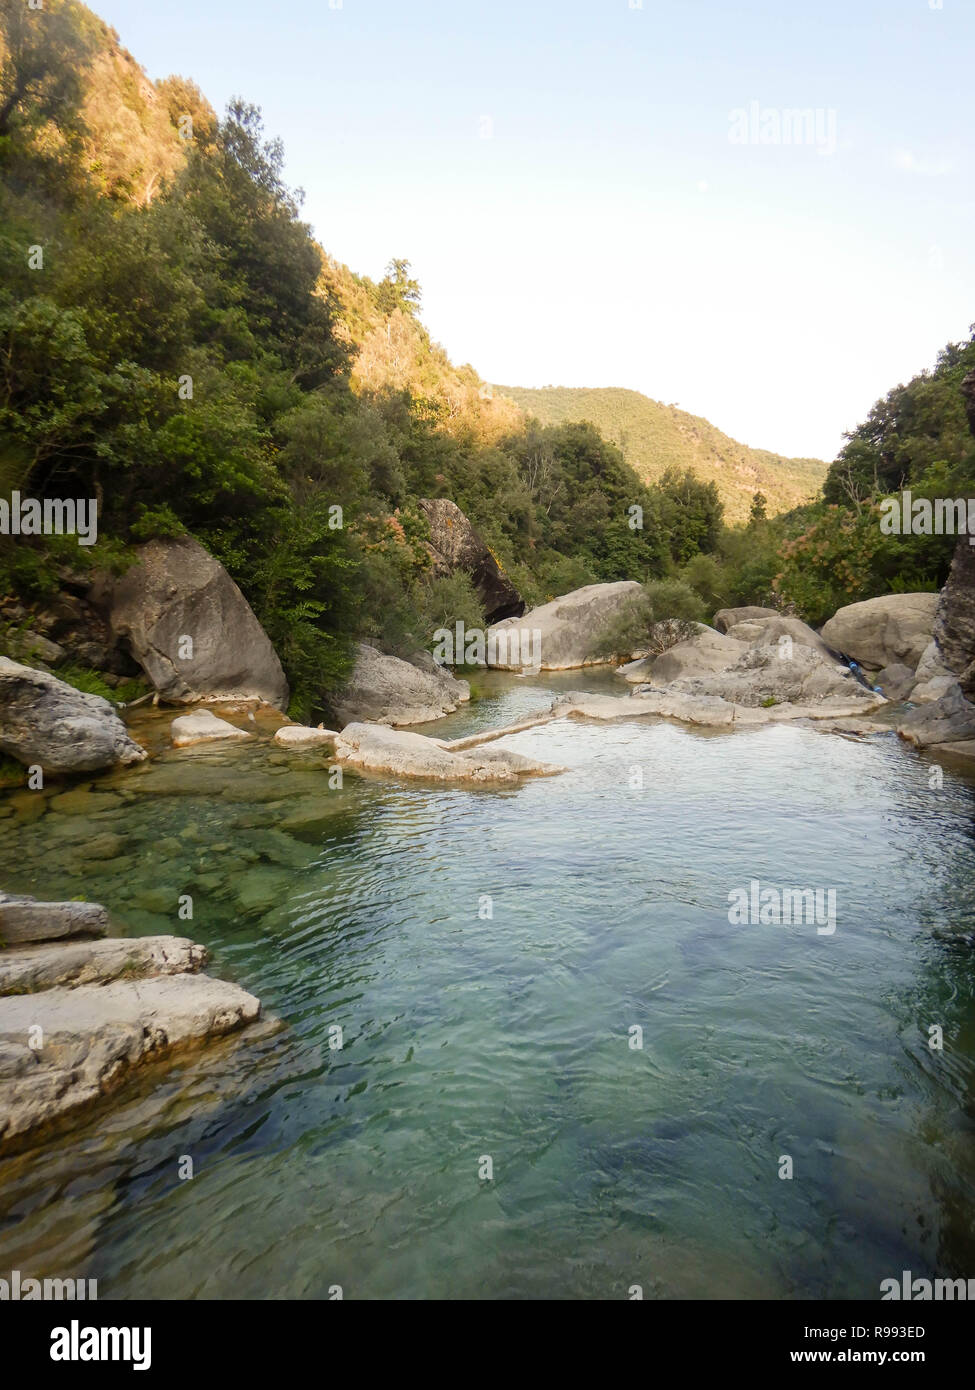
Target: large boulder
[(881, 631), (456, 547), (567, 628), (768, 672), (178, 591), (726, 618), (954, 626), (775, 627), (385, 689), (703, 654), (46, 723)]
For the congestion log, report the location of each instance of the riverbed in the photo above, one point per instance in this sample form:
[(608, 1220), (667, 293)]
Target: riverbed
[(523, 1051)]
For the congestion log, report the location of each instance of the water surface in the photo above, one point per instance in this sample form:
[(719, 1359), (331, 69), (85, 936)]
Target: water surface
[(467, 1036)]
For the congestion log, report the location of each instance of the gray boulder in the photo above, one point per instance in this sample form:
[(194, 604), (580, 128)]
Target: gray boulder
[(954, 627), (384, 689), (881, 631), (896, 681), (776, 627), (948, 720), (726, 618), (178, 591), (766, 673), (703, 654), (45, 722), (24, 919), (567, 629), (456, 547), (202, 726)]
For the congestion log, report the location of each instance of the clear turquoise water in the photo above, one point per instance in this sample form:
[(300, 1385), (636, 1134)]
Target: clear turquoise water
[(509, 1037)]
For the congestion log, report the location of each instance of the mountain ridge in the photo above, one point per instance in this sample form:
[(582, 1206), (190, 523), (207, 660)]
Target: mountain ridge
[(654, 437)]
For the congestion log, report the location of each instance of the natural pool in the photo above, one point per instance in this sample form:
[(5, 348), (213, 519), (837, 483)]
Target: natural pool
[(508, 1037)]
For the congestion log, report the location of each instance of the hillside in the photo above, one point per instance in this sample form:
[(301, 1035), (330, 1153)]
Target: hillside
[(654, 437)]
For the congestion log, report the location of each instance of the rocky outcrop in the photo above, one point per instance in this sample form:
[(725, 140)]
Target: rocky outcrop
[(948, 720), (710, 711), (726, 618), (186, 623), (954, 627), (375, 748), (567, 628), (880, 631), (384, 689), (764, 674), (46, 723), (932, 677), (456, 547), (24, 919), (202, 727), (703, 654), (777, 627), (78, 1017)]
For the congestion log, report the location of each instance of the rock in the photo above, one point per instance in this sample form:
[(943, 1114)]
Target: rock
[(456, 547), (202, 727), (175, 591), (26, 969), (954, 627), (726, 618), (932, 678), (710, 711), (386, 690), (31, 646), (704, 653), (25, 919), (376, 748), (948, 720), (772, 672), (962, 752), (765, 631), (45, 722), (94, 1035), (881, 631), (896, 681), (298, 736), (567, 629)]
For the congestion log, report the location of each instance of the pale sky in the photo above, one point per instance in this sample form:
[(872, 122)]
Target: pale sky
[(563, 176)]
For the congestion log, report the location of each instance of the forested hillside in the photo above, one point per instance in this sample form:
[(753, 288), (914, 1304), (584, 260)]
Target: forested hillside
[(180, 347), (654, 438)]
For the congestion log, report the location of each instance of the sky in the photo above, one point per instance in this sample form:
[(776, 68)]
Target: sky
[(612, 192)]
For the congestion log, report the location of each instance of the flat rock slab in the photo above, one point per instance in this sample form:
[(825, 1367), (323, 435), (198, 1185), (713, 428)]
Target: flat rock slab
[(202, 727), (964, 751), (377, 748), (710, 711), (24, 919), (300, 736), (92, 1037), (27, 969)]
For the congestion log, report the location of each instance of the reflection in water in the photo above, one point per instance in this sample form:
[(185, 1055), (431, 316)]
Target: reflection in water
[(509, 1037)]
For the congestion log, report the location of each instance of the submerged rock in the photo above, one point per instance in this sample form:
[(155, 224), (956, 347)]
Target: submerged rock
[(387, 690), (93, 1036), (46, 723)]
